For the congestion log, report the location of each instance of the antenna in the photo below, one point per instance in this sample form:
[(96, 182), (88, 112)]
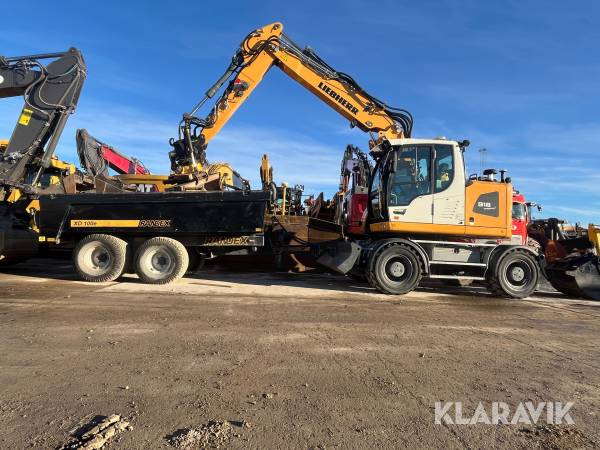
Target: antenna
[(482, 159)]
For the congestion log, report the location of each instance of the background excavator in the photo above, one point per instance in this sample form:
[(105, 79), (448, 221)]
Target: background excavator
[(51, 93), (28, 165)]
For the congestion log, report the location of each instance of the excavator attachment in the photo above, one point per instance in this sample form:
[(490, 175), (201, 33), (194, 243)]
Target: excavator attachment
[(578, 278), (573, 261)]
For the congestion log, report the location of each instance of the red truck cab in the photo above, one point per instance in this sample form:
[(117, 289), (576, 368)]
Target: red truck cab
[(520, 218)]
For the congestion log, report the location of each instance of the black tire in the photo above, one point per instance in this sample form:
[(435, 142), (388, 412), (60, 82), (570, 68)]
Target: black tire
[(395, 269), (515, 275), (100, 257), (161, 260)]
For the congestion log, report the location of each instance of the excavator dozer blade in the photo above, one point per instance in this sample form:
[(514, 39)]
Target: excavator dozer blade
[(339, 256), (582, 281)]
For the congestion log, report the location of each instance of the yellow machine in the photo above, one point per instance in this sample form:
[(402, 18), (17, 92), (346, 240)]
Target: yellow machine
[(52, 175), (594, 236), (425, 216), (453, 207)]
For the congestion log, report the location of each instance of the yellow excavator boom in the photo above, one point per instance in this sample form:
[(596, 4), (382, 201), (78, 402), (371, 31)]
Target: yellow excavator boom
[(267, 47)]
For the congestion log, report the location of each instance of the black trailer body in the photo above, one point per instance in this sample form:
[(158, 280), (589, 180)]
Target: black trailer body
[(192, 217), (157, 234)]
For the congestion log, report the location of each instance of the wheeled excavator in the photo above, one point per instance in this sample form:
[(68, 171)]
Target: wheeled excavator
[(424, 216)]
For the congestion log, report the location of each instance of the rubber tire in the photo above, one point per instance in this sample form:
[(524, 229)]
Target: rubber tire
[(117, 249), (500, 284), (379, 278), (175, 249)]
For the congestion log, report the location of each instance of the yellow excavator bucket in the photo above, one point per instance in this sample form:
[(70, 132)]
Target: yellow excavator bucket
[(3, 145)]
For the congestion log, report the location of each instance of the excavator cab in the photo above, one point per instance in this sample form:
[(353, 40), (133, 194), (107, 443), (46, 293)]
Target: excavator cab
[(419, 186)]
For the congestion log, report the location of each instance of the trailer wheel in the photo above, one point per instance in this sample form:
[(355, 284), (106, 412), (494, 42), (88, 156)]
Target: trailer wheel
[(515, 275), (395, 269), (100, 257), (161, 260)]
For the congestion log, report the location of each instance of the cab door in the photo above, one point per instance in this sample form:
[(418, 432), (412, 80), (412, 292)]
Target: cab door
[(410, 196)]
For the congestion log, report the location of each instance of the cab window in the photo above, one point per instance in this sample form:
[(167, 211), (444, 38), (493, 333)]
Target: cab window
[(518, 211), (412, 177), (444, 167)]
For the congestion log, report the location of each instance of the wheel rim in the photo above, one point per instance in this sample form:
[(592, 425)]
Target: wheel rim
[(519, 275), (96, 258), (159, 262), (398, 269)]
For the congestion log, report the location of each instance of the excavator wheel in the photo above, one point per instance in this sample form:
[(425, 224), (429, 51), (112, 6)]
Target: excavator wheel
[(515, 274), (161, 260), (583, 282), (100, 257), (394, 269)]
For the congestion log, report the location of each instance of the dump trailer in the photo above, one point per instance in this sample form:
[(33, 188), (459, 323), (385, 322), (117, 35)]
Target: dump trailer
[(155, 235)]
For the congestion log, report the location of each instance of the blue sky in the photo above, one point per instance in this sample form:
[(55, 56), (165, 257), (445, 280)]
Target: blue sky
[(519, 78)]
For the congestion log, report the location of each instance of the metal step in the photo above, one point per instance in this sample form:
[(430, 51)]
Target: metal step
[(451, 243), (456, 277), (458, 263)]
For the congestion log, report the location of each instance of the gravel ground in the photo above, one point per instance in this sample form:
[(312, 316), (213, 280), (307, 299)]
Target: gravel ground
[(286, 361)]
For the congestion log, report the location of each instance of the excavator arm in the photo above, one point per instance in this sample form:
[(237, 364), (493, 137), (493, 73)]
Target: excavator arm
[(50, 93), (260, 51)]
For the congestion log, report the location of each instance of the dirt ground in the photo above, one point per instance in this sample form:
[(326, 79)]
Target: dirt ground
[(289, 360)]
